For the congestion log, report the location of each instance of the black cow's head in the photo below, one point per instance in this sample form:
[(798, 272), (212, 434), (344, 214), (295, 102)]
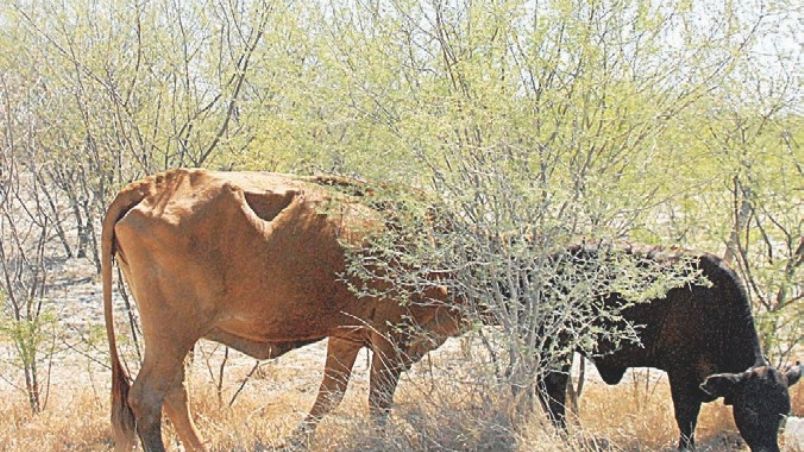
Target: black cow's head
[(760, 399)]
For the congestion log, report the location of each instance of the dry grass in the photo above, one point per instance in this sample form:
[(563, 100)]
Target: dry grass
[(431, 413), (637, 416)]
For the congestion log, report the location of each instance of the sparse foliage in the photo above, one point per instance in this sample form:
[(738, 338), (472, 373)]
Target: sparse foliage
[(498, 133)]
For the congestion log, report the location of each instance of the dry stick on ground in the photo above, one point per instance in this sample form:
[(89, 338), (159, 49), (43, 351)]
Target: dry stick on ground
[(244, 381), (574, 392), (221, 370), (216, 381)]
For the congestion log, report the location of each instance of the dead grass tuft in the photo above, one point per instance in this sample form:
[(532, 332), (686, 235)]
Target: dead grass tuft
[(638, 414), (72, 421)]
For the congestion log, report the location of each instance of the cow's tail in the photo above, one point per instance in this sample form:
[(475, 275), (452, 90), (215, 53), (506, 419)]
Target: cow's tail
[(123, 422)]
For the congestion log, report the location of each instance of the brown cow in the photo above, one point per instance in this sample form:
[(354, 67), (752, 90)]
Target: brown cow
[(253, 261)]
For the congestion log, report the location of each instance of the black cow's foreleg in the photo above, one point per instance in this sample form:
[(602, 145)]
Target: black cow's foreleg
[(552, 389), (687, 405)]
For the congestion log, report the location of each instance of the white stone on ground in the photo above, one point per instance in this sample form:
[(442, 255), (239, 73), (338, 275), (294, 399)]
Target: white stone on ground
[(794, 434)]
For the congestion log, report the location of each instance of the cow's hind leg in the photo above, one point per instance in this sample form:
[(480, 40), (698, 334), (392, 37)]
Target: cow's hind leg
[(686, 403), (177, 407), (161, 374)]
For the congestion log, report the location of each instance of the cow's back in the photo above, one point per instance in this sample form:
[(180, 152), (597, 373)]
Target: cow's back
[(699, 329), (256, 253)]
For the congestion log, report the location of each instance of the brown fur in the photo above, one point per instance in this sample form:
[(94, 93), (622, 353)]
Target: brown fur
[(255, 261)]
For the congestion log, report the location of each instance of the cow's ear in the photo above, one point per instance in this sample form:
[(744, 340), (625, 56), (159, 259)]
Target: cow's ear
[(793, 374), (722, 385)]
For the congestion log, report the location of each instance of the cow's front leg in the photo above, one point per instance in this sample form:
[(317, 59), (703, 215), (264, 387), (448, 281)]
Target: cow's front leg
[(552, 388), (341, 356), (387, 364), (687, 405)]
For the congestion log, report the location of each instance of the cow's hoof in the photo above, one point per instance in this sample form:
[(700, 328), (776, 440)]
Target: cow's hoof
[(301, 438)]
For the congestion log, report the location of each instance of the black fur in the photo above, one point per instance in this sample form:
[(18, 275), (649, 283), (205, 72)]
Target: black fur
[(691, 333)]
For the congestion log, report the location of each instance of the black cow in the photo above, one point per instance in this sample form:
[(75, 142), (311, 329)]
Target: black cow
[(705, 339)]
